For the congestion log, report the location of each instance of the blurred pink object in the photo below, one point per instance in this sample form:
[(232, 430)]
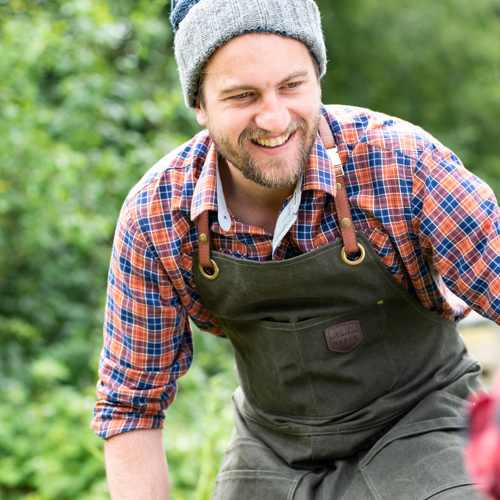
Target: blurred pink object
[(482, 456)]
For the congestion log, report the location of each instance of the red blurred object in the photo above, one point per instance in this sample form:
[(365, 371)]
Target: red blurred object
[(482, 456)]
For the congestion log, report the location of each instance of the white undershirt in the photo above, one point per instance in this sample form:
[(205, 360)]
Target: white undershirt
[(285, 220)]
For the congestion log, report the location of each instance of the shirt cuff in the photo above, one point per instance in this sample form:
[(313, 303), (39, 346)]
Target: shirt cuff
[(107, 423)]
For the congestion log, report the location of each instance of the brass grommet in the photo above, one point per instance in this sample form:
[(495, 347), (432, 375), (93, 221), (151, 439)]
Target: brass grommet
[(345, 222), (358, 260), (210, 276), (203, 238), (339, 186)]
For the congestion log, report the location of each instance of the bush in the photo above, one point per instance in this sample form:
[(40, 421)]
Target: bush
[(89, 100)]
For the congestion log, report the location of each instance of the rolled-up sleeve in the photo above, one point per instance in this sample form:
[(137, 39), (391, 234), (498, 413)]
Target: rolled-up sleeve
[(458, 226), (147, 338)]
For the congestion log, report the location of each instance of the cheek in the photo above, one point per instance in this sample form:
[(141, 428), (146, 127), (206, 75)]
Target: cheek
[(234, 126), (309, 109)]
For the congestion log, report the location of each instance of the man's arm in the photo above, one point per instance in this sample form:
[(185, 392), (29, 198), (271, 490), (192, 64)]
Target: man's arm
[(147, 346), (457, 221), (136, 466)]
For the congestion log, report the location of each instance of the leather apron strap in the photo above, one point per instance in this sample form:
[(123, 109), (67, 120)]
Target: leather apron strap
[(343, 210), (351, 246), (204, 240)]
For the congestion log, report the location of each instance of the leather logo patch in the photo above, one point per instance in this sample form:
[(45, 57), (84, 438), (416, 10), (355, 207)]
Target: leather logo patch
[(344, 337)]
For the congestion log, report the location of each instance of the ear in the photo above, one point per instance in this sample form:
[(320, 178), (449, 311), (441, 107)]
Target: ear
[(200, 113)]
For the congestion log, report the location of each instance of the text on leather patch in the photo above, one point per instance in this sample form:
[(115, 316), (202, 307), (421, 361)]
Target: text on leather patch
[(344, 337)]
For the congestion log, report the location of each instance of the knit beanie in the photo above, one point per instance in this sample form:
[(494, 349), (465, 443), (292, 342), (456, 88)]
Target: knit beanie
[(203, 26)]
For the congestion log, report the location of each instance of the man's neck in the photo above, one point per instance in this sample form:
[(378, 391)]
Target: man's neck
[(250, 202)]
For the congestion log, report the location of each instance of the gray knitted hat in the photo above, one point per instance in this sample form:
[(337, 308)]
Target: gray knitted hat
[(202, 26)]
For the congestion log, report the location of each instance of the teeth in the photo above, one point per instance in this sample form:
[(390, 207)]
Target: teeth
[(272, 143)]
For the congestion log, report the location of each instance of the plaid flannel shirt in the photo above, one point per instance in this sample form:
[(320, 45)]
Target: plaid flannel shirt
[(432, 223)]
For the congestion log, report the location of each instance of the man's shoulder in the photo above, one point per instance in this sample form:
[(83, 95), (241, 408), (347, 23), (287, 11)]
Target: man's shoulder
[(357, 125)]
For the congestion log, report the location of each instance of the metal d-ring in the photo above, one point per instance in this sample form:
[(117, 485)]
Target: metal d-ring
[(210, 276), (358, 260)]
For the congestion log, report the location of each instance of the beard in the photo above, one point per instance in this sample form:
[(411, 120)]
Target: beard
[(273, 172)]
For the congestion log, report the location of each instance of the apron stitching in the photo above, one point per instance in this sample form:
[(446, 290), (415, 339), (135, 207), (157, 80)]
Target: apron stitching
[(446, 487), (255, 474), (394, 435), (370, 485), (458, 419), (305, 374), (255, 480), (295, 328), (344, 429), (254, 442), (312, 440), (293, 487), (328, 417), (263, 474), (281, 263), (393, 365)]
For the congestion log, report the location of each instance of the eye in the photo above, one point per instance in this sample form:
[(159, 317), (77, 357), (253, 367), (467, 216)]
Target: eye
[(242, 96), (293, 85)]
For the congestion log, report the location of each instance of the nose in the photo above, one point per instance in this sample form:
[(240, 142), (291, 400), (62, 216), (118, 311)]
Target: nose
[(272, 115)]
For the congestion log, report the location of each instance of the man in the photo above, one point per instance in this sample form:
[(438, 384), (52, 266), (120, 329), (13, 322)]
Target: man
[(336, 264)]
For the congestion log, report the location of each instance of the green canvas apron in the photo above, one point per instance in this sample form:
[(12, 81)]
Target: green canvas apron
[(349, 388)]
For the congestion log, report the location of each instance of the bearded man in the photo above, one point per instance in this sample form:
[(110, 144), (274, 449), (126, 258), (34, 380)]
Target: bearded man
[(335, 247)]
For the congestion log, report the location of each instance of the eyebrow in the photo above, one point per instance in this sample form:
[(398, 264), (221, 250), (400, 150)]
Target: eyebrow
[(245, 88)]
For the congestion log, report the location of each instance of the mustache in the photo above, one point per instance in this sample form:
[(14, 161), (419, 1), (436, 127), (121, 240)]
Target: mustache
[(259, 134)]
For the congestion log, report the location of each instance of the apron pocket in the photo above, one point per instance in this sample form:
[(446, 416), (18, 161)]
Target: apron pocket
[(251, 470), (421, 457), (319, 368), (254, 485), (421, 467)]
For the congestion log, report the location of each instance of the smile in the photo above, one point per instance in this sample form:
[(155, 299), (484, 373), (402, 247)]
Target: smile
[(272, 143)]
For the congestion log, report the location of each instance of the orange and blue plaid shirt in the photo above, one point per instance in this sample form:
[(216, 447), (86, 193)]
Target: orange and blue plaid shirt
[(432, 223)]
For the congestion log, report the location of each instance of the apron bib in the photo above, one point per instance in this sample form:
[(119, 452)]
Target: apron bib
[(338, 367)]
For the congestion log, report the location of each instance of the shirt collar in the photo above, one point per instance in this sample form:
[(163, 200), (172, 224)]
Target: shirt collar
[(208, 193), (319, 174), (205, 191)]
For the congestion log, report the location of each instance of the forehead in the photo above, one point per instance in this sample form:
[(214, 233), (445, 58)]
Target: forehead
[(257, 59)]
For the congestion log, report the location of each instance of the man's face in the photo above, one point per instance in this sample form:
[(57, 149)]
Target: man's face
[(262, 106)]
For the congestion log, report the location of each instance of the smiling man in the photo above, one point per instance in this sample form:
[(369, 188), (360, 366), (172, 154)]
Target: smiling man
[(336, 248), (262, 106)]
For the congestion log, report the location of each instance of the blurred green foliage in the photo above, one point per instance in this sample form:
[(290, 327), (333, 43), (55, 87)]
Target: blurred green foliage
[(433, 63), (89, 100)]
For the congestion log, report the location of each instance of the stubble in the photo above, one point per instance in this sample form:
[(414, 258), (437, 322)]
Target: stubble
[(273, 172)]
